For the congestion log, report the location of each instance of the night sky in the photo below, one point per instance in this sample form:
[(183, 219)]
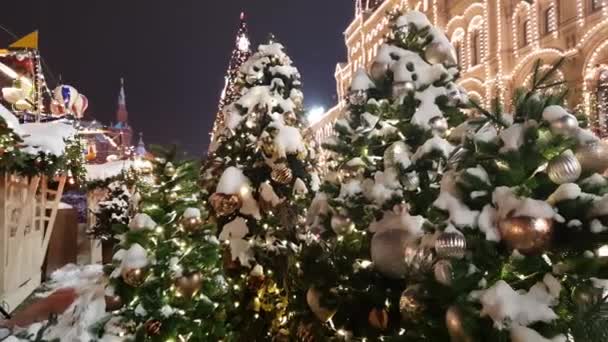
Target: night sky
[(174, 53)]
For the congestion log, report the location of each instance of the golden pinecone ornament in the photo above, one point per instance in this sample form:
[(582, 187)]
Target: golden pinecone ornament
[(133, 277), (225, 204), (189, 285), (153, 327), (281, 174)]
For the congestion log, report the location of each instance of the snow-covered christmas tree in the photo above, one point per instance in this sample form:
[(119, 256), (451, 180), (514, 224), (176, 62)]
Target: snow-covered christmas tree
[(263, 190), (112, 210), (166, 282), (372, 225)]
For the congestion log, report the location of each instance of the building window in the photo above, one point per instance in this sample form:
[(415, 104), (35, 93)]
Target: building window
[(602, 103), (475, 48), (525, 34), (596, 5), (550, 20)]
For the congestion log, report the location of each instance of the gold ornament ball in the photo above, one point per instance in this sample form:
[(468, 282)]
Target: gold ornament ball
[(529, 235), (170, 170), (444, 273), (225, 204), (267, 146), (378, 318), (192, 224), (451, 245), (411, 303), (133, 277), (281, 174), (172, 197), (290, 118), (313, 298), (593, 157), (113, 303), (341, 224), (454, 323), (564, 168), (153, 327), (189, 285)]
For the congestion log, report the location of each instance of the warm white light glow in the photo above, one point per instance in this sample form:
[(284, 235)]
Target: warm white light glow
[(315, 114)]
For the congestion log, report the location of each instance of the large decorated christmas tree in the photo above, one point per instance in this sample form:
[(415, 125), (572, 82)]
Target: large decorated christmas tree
[(262, 191), (372, 225), (166, 282)]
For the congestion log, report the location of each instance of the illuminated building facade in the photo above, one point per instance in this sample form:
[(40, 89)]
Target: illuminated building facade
[(497, 43)]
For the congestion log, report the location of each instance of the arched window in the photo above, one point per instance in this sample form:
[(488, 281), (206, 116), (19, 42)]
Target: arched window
[(475, 48), (458, 47), (525, 33), (550, 20)]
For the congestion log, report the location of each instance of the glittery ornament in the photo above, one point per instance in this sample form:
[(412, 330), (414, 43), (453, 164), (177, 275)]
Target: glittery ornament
[(290, 118), (411, 303), (564, 125), (396, 254), (225, 204), (153, 327), (451, 245), (378, 70), (444, 274), (313, 298), (564, 168), (305, 333), (113, 303), (133, 277), (378, 318), (170, 170), (192, 224), (439, 126), (357, 97), (267, 146), (189, 285), (529, 235), (455, 324), (281, 174), (341, 224), (593, 157)]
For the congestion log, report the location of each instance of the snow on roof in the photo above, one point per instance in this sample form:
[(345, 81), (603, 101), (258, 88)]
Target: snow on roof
[(47, 137), (108, 170)]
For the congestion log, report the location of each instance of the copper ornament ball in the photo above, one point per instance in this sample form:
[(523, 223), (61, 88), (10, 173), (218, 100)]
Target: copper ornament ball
[(529, 235), (593, 157), (444, 273), (454, 323), (113, 303), (225, 204), (378, 70), (153, 327), (313, 299), (378, 318), (192, 224), (133, 277), (189, 285), (411, 304)]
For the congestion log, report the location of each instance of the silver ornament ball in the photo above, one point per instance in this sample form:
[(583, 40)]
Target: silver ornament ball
[(564, 168), (593, 157), (402, 88), (437, 53), (444, 274), (564, 125), (357, 97), (411, 181), (396, 254), (451, 245), (439, 125)]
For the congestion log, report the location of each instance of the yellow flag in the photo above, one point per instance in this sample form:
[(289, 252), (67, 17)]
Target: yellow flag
[(28, 42)]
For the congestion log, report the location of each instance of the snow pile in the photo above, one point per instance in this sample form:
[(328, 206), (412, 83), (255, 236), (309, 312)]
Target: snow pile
[(47, 137), (97, 172), (434, 144), (191, 213), (234, 232), (11, 120), (506, 306), (508, 204), (135, 257), (234, 182), (142, 221), (564, 192), (450, 200), (524, 334), (87, 310), (399, 218), (288, 139)]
